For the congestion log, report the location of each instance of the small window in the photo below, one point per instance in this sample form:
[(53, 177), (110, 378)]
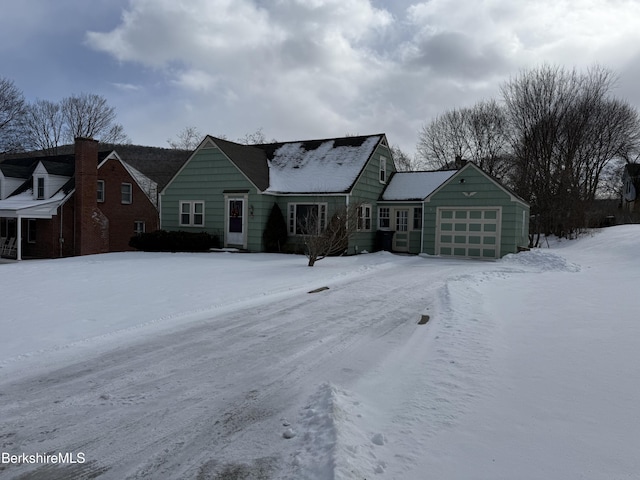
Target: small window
[(417, 218), (100, 190), (40, 188), (138, 227), (364, 217), (127, 193), (383, 217), (192, 213), (31, 230), (383, 170)]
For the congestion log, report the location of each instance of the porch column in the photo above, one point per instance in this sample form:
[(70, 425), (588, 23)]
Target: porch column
[(19, 238)]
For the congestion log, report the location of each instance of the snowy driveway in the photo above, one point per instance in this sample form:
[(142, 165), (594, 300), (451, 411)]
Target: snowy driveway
[(214, 396), (201, 366)]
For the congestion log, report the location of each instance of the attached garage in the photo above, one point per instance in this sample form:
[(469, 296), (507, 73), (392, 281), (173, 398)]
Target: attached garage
[(472, 215), (460, 213)]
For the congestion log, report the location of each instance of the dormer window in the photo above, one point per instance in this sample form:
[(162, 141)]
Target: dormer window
[(383, 170), (40, 188)]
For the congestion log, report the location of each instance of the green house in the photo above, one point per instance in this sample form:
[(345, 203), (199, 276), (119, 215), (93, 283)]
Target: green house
[(461, 213), (229, 189)]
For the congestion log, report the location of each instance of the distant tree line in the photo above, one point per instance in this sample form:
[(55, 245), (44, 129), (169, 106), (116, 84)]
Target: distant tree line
[(46, 125), (558, 139)]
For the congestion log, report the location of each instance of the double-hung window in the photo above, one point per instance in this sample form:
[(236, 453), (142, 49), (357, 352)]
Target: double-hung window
[(364, 217), (101, 191), (138, 227), (307, 218), (127, 193), (192, 213), (417, 218), (40, 188), (383, 217), (383, 170)]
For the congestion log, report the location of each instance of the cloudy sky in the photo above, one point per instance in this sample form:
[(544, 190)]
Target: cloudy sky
[(303, 69)]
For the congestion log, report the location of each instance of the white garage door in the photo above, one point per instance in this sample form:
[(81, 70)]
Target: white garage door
[(468, 232)]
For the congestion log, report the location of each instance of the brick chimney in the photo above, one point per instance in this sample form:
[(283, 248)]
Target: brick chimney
[(459, 162), (90, 222)]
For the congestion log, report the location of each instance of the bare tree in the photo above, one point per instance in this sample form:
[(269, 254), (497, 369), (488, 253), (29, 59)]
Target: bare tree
[(565, 129), (89, 115), (256, 138), (443, 140), (331, 239), (402, 161), (12, 107), (477, 134), (187, 139), (43, 126), (487, 140)]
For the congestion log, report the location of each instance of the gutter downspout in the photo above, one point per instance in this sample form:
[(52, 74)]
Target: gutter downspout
[(19, 238), (346, 203), (61, 235), (424, 210)]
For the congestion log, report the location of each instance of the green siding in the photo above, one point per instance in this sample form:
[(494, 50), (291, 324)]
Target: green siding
[(295, 243), (487, 194), (415, 235), (367, 190), (206, 176)]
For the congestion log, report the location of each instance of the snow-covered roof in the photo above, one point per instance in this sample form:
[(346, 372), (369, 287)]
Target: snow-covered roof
[(24, 204), (415, 185), (320, 166)]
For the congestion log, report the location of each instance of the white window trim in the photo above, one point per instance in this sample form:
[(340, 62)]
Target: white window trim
[(382, 174), (388, 218), (122, 200), (413, 220), (364, 215), (191, 213), (99, 190), (136, 231), (36, 187), (292, 215)]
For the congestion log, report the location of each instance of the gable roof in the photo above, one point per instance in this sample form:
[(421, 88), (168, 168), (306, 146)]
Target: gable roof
[(495, 181), (300, 167), (15, 171), (64, 165), (159, 164), (318, 166), (632, 170), (415, 185), (251, 160)]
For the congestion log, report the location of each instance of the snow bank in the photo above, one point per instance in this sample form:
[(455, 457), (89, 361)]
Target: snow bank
[(540, 259), (335, 445)]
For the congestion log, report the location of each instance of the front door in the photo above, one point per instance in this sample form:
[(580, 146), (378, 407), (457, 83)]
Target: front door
[(235, 222), (401, 237)]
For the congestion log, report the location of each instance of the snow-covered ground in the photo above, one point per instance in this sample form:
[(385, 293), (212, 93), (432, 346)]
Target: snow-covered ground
[(222, 365)]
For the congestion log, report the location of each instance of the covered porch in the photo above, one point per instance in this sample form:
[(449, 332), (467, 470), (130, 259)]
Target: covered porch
[(18, 221)]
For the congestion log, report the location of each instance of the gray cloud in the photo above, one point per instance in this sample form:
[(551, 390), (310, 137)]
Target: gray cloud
[(301, 68)]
